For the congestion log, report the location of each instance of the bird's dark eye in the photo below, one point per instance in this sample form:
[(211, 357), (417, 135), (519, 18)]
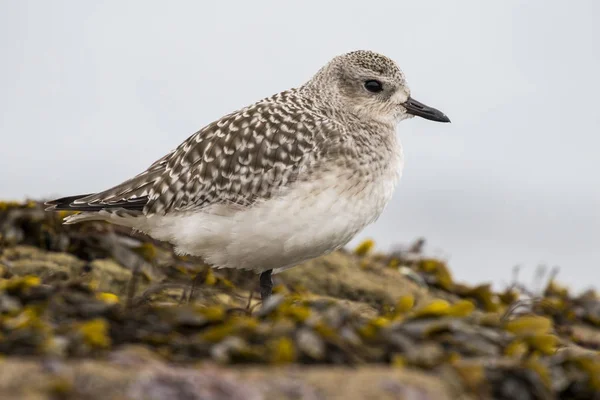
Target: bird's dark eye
[(373, 86)]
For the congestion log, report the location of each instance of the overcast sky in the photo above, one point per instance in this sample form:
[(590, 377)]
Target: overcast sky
[(93, 92)]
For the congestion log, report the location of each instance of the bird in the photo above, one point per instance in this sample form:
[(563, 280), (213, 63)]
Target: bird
[(289, 178)]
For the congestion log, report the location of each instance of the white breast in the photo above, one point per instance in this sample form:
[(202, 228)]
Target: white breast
[(310, 219)]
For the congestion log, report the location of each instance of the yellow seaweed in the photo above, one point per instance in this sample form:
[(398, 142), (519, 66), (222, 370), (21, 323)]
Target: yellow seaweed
[(283, 351), (529, 324), (108, 298), (435, 308), (95, 333), (364, 247), (544, 343), (461, 308), (405, 304)]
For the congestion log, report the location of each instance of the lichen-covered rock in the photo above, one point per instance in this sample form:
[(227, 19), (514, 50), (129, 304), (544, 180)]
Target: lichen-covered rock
[(88, 300)]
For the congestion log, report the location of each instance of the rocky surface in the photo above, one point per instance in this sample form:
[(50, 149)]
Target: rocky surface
[(94, 311)]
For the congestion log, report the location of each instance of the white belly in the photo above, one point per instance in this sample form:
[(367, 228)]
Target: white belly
[(310, 219)]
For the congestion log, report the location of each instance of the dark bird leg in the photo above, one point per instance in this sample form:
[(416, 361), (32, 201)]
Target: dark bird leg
[(266, 284)]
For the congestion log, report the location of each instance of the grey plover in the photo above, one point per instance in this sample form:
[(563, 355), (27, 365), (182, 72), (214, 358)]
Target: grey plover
[(286, 179)]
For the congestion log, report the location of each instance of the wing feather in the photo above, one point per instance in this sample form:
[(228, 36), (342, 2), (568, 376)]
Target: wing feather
[(243, 157)]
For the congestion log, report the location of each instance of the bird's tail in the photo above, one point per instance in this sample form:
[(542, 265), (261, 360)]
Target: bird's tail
[(86, 216), (121, 213), (65, 203)]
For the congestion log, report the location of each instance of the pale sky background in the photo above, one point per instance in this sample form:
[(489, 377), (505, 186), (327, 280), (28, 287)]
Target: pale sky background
[(92, 92)]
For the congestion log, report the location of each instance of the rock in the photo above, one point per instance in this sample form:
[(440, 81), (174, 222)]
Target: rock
[(100, 312)]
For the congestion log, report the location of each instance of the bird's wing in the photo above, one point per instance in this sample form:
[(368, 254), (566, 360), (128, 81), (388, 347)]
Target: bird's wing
[(243, 157)]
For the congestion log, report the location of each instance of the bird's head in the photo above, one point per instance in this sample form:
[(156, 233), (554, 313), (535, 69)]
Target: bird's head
[(371, 86)]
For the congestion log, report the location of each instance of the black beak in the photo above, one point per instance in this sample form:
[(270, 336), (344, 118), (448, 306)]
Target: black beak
[(421, 110)]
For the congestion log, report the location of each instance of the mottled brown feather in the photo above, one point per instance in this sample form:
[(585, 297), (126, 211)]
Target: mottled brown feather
[(243, 157)]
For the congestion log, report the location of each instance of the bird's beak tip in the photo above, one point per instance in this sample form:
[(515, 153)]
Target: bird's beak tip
[(419, 109)]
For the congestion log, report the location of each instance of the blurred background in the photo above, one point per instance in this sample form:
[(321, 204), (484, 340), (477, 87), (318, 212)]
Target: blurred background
[(91, 93)]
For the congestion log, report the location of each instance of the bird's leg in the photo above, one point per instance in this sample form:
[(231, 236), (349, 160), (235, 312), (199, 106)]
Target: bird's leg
[(266, 284)]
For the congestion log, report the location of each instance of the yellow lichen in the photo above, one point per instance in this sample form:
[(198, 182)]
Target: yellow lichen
[(516, 348), (405, 304), (544, 343), (509, 296), (108, 298), (5, 205), (483, 295), (453, 357), (472, 374), (440, 272), (367, 331), (552, 305), (20, 283), (490, 319), (147, 251), (461, 308), (370, 329), (529, 324), (364, 247), (95, 333), (283, 351), (554, 289), (227, 283), (540, 369), (182, 269), (297, 313), (592, 367), (63, 214), (435, 308), (217, 333), (212, 313), (398, 361), (379, 322), (324, 330), (93, 284), (60, 386), (28, 316), (233, 326), (210, 279), (280, 289)]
